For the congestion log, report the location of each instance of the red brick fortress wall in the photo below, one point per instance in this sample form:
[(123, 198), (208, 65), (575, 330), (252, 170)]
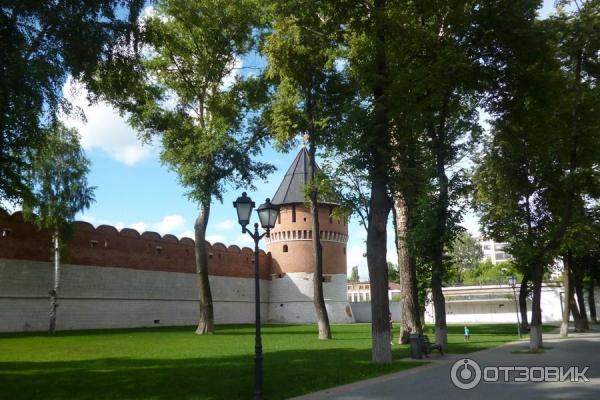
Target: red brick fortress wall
[(105, 246)]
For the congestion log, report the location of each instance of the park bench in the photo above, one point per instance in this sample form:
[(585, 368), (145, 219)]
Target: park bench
[(427, 347)]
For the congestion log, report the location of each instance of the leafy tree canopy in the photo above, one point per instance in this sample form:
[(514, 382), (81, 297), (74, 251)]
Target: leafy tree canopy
[(58, 179), (43, 42)]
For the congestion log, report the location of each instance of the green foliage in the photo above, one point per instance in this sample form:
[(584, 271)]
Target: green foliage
[(465, 252), (486, 273), (301, 51), (393, 273), (349, 183), (43, 42), (58, 181), (193, 48), (537, 170), (354, 277)]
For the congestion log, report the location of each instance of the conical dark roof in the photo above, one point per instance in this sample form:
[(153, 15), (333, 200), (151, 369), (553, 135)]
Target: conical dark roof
[(291, 189)]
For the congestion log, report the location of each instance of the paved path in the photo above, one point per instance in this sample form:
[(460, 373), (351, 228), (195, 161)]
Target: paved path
[(432, 382)]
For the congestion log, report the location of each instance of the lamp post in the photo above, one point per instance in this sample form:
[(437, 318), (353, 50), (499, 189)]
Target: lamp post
[(512, 281), (267, 214)]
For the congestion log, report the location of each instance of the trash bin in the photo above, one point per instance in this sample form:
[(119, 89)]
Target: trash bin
[(416, 350)]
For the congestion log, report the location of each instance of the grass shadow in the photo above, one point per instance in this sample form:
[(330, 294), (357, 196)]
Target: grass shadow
[(286, 373)]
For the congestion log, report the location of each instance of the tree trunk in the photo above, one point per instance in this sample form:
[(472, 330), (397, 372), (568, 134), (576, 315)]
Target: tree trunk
[(379, 203), (570, 294), (535, 332), (578, 287), (437, 265), (439, 307), (523, 303), (592, 301), (54, 291), (377, 263), (206, 325), (567, 295), (319, 300), (410, 321)]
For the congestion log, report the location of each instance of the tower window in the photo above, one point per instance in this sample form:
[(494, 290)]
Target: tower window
[(331, 214), (285, 248), (293, 213), (279, 217)]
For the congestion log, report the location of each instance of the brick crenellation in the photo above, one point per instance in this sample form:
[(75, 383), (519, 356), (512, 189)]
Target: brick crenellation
[(106, 246)]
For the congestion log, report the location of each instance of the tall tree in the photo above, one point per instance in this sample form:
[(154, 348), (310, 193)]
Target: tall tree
[(187, 91), (301, 52), (58, 181), (406, 189), (42, 44), (410, 321), (376, 83), (441, 114), (354, 277)]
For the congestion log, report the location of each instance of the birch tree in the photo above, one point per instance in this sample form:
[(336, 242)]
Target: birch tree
[(58, 181)]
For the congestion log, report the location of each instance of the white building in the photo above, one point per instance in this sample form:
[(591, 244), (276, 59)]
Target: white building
[(494, 251), (359, 292), (494, 304)]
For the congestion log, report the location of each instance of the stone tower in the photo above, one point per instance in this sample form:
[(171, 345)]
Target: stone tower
[(290, 245)]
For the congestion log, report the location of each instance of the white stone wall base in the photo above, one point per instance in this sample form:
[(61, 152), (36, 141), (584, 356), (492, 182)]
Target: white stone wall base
[(105, 298)]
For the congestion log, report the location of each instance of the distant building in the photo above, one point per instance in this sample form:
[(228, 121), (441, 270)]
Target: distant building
[(361, 291), (494, 304), (494, 251)]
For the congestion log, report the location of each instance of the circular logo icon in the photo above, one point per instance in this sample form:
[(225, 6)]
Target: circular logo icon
[(465, 374)]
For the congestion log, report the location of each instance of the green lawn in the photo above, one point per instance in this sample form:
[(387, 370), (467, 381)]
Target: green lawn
[(173, 363)]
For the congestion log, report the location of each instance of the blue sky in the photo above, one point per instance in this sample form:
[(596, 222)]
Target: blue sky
[(135, 190)]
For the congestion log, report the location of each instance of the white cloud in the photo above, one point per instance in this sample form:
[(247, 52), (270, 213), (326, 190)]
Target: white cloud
[(244, 241), (226, 225), (169, 224), (138, 226), (229, 79), (212, 239), (187, 233), (87, 218), (104, 129)]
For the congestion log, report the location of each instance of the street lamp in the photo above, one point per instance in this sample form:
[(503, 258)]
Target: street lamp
[(512, 281), (267, 214)]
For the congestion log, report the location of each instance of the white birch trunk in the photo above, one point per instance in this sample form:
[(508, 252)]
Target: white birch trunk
[(54, 291)]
